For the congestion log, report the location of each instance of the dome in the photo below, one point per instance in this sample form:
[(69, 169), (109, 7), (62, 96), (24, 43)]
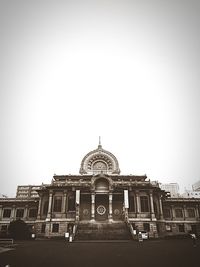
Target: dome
[(99, 161)]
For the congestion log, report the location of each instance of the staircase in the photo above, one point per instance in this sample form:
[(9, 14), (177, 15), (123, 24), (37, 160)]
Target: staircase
[(102, 231)]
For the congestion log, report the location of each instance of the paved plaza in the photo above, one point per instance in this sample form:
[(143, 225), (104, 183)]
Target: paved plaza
[(58, 253)]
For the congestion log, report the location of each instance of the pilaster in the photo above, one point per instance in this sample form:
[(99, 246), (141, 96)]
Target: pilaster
[(50, 204)]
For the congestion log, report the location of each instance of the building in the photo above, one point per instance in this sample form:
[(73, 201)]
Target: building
[(27, 191), (191, 194), (99, 202), (196, 186), (172, 188)]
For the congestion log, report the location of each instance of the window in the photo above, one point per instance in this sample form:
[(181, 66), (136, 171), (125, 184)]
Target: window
[(144, 204), (45, 207), (167, 213), (131, 204), (146, 227), (155, 207), (57, 204), (179, 213), (71, 203), (191, 213), (181, 228), (55, 228), (6, 213), (4, 228), (43, 228), (20, 213), (32, 213)]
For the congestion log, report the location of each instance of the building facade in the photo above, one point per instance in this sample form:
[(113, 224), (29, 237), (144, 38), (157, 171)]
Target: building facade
[(100, 203), (172, 188)]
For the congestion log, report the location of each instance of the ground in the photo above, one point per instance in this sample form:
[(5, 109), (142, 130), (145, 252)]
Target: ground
[(41, 253)]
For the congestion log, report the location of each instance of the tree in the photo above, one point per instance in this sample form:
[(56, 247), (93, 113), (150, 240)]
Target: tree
[(18, 230)]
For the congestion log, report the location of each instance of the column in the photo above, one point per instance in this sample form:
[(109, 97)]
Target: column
[(13, 215), (39, 208), (137, 203), (173, 212), (1, 210), (93, 206), (78, 194), (64, 202), (184, 212), (50, 204), (197, 212), (151, 204), (161, 209), (26, 212), (110, 205)]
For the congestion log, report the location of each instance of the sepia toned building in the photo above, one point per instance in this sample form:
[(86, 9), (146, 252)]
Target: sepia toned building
[(100, 203)]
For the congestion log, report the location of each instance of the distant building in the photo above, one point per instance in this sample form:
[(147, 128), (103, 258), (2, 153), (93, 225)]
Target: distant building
[(101, 203), (27, 191), (191, 194), (172, 188), (196, 186), (3, 196)]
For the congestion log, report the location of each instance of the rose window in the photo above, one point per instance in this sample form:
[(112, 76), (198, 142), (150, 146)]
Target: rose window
[(101, 210)]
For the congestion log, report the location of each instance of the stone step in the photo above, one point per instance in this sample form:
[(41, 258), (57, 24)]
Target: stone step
[(102, 231)]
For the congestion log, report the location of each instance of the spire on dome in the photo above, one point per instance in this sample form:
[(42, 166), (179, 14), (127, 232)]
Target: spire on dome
[(99, 146)]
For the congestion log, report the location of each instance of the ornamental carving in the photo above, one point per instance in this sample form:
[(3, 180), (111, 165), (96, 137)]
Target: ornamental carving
[(101, 210), (99, 161), (85, 212)]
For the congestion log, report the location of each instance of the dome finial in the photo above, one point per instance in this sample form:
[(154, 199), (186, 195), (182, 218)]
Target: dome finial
[(99, 146)]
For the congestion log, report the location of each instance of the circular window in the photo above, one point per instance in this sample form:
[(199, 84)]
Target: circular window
[(101, 210)]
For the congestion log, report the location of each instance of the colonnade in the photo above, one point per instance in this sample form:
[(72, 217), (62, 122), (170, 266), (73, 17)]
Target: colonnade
[(110, 205)]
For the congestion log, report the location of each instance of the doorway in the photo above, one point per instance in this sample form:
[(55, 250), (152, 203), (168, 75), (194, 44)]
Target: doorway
[(101, 207)]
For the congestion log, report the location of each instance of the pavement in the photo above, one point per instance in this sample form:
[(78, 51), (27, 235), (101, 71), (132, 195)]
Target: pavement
[(59, 253)]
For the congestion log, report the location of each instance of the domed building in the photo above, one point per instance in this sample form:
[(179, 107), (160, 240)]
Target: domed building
[(100, 203)]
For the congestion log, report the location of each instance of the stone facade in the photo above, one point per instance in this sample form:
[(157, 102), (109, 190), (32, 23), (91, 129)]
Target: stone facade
[(100, 196)]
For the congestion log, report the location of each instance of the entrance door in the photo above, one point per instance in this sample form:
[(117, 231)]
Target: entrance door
[(85, 207), (101, 207), (118, 200)]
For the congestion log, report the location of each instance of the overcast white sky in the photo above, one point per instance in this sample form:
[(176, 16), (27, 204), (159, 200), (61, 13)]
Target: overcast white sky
[(73, 70)]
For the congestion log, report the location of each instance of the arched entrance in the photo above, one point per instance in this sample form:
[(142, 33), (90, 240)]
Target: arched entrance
[(101, 199)]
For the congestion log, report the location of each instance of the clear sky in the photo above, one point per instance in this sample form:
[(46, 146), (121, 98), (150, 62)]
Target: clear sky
[(73, 70)]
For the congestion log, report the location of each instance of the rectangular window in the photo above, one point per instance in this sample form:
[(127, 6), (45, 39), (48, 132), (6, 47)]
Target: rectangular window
[(131, 204), (6, 213), (181, 228), (32, 213), (45, 207), (55, 228), (43, 228), (167, 213), (71, 203), (20, 213), (144, 204), (191, 213), (57, 204), (179, 213), (146, 227)]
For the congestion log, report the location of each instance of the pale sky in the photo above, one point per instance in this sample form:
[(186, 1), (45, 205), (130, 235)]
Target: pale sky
[(71, 71)]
